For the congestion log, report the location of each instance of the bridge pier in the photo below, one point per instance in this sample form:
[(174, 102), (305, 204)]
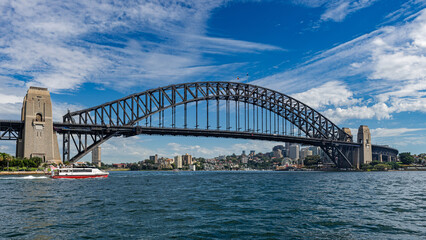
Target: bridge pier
[(96, 156), (364, 154), (38, 139)]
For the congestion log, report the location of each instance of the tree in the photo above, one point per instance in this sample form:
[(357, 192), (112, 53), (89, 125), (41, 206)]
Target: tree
[(394, 165), (134, 167), (406, 158), (312, 160)]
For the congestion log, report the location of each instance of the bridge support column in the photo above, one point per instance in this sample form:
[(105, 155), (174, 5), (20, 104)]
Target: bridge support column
[(364, 155), (380, 157), (38, 139), (96, 156)]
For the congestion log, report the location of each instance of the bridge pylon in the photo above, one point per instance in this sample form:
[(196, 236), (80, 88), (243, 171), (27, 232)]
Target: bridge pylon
[(364, 155), (38, 139)]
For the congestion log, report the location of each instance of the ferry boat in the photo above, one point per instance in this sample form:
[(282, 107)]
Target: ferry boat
[(78, 173)]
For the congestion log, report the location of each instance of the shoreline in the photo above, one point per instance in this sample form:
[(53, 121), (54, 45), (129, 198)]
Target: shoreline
[(22, 173), (118, 170)]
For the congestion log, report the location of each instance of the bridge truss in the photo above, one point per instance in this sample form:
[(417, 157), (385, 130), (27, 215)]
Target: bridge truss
[(10, 130), (217, 109)]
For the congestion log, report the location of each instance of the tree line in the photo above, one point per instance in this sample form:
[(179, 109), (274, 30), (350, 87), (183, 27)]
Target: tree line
[(8, 162)]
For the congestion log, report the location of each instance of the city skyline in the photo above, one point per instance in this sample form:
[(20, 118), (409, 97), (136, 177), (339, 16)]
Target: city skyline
[(358, 62)]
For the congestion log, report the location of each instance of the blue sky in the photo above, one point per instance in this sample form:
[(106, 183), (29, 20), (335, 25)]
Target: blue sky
[(358, 62)]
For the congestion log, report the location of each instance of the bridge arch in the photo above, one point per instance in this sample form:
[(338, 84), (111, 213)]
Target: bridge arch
[(131, 110)]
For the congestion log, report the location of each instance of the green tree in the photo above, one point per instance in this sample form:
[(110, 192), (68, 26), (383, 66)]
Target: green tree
[(134, 167), (382, 167), (394, 165), (406, 158), (312, 160), (374, 163)]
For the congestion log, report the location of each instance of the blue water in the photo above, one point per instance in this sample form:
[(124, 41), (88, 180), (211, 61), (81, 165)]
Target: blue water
[(216, 205)]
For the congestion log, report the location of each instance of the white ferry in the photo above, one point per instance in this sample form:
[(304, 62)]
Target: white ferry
[(78, 173)]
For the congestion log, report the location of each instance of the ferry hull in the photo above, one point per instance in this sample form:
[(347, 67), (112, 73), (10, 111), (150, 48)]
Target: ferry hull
[(82, 176)]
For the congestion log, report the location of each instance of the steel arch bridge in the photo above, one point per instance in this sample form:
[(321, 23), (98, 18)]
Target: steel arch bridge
[(212, 109)]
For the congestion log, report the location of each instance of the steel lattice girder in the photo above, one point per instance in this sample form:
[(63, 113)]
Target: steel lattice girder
[(129, 110), (10, 130)]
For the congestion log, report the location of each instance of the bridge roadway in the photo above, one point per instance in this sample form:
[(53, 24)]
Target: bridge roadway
[(9, 130)]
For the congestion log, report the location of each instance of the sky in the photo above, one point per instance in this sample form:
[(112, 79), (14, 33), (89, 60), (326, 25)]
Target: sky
[(359, 62)]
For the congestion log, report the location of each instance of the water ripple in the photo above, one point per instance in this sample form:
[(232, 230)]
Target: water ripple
[(216, 205)]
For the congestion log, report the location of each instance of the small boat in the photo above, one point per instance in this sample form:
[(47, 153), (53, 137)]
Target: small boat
[(78, 173)]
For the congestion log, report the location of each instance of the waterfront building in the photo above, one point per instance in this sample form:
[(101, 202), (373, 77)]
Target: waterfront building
[(278, 153), (315, 150), (178, 161), (244, 159), (287, 149), (169, 162), (187, 159), (192, 167), (294, 151), (304, 153), (278, 147), (119, 165), (154, 158)]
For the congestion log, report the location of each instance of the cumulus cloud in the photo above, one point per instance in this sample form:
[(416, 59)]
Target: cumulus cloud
[(334, 93)]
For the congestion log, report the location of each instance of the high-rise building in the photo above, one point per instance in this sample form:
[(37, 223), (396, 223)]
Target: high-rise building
[(244, 158), (278, 153), (294, 151), (304, 152), (252, 153), (315, 150), (187, 159), (287, 149), (278, 147), (178, 161), (154, 158)]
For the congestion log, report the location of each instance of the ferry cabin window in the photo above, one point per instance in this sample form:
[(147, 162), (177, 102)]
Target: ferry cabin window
[(82, 170)]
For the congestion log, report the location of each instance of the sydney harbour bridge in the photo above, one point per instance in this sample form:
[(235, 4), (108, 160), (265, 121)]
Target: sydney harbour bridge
[(207, 109)]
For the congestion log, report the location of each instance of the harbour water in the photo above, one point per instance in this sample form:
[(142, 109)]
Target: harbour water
[(216, 205)]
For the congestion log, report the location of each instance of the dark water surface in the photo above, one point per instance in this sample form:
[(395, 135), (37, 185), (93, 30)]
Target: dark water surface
[(216, 205)]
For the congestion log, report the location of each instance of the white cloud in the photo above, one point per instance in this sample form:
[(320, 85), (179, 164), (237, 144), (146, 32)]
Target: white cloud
[(378, 111), (62, 45), (333, 93), (336, 10), (4, 98), (59, 109), (384, 73), (393, 132), (10, 111)]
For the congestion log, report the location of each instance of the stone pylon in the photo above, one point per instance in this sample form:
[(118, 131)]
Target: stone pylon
[(38, 139), (364, 153)]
